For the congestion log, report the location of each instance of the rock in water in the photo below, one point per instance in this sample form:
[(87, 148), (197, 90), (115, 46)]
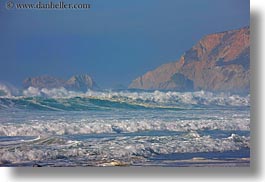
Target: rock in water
[(75, 83), (80, 83), (218, 62), (44, 81)]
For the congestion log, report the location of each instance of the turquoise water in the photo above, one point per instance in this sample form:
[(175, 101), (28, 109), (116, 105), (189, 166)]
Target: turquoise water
[(124, 128)]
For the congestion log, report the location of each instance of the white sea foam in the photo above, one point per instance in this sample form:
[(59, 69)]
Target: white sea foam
[(125, 149), (171, 98), (52, 93), (88, 126), (53, 130), (8, 90)]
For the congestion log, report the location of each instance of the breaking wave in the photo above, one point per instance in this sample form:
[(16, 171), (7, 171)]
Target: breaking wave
[(126, 150), (106, 128), (62, 99), (90, 126), (7, 90)]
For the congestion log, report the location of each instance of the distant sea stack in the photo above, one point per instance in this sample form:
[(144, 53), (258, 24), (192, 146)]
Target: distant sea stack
[(80, 83), (218, 62), (75, 83)]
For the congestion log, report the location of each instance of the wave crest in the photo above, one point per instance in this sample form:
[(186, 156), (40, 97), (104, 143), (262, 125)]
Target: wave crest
[(62, 99)]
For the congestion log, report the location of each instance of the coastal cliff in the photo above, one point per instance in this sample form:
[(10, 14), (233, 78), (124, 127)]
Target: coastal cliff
[(218, 62)]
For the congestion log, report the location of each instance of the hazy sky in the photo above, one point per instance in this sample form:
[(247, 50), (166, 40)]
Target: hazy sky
[(115, 41)]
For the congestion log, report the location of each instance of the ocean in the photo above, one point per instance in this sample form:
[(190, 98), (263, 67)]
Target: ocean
[(56, 127)]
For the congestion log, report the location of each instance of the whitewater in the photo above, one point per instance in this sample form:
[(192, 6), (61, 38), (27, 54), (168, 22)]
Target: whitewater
[(57, 127)]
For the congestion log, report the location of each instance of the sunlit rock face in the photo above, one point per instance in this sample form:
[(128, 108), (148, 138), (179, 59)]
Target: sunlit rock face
[(218, 62)]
